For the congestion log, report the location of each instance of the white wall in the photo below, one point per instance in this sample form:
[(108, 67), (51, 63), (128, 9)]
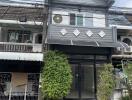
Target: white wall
[(94, 19), (99, 20)]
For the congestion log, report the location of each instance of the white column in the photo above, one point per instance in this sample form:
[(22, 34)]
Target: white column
[(0, 34)]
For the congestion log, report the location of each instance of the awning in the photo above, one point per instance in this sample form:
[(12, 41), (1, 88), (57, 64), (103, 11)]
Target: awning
[(21, 56), (85, 43)]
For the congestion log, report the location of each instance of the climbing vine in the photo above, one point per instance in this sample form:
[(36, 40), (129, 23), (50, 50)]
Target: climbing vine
[(128, 72), (106, 82)]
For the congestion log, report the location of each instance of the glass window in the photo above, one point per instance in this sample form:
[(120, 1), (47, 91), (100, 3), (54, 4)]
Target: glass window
[(19, 36), (79, 19), (76, 19), (72, 19), (38, 39)]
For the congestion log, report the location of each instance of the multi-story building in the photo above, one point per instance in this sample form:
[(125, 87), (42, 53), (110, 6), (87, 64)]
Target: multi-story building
[(80, 29), (21, 54), (121, 18)]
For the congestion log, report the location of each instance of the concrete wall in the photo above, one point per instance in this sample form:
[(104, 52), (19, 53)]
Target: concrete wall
[(90, 18)]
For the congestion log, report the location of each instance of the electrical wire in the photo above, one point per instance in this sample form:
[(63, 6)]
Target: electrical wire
[(41, 16)]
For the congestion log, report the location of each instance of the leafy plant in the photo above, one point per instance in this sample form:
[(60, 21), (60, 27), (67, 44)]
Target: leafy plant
[(126, 98), (56, 75), (128, 71), (106, 82)]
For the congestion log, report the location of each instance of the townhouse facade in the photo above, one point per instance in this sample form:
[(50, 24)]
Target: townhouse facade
[(81, 30), (21, 56)]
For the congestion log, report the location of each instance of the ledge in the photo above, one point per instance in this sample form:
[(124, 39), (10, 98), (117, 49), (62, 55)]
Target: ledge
[(21, 56)]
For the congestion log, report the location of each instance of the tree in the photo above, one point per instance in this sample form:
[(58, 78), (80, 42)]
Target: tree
[(106, 82), (56, 75)]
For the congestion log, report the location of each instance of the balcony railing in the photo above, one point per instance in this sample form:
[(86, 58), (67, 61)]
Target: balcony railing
[(20, 47)]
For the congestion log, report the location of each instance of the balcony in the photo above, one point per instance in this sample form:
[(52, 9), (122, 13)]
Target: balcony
[(20, 47), (83, 36)]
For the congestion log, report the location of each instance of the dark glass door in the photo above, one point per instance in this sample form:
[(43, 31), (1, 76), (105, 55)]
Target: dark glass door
[(83, 81), (74, 92), (87, 81)]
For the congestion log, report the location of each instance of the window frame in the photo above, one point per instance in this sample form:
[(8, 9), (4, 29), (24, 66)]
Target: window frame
[(76, 19)]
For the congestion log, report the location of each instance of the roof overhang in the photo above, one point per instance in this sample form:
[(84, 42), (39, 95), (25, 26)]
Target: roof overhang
[(122, 27), (21, 56), (85, 43)]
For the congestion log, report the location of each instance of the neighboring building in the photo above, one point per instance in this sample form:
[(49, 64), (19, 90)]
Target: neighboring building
[(121, 18), (21, 54), (80, 29)]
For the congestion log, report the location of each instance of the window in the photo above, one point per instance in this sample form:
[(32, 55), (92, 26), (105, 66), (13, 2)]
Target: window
[(38, 39), (79, 19), (76, 19), (72, 19), (5, 79), (33, 83), (19, 36)]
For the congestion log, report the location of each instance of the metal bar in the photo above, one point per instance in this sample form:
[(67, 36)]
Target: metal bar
[(25, 94), (95, 76), (10, 91)]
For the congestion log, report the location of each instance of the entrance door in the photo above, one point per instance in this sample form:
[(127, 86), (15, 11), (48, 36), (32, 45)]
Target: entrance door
[(83, 81)]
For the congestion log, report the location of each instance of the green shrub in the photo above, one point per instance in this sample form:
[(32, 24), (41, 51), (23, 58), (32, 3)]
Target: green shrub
[(126, 98), (128, 72), (106, 83), (56, 75)]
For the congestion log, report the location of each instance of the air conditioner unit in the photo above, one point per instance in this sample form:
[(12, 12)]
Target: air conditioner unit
[(59, 17)]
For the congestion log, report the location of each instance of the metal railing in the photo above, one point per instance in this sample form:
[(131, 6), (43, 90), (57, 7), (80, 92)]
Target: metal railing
[(20, 47)]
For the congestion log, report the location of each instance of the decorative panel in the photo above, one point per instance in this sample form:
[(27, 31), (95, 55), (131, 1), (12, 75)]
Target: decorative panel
[(84, 34)]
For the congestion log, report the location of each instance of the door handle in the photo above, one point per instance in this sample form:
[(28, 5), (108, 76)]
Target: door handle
[(77, 75)]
